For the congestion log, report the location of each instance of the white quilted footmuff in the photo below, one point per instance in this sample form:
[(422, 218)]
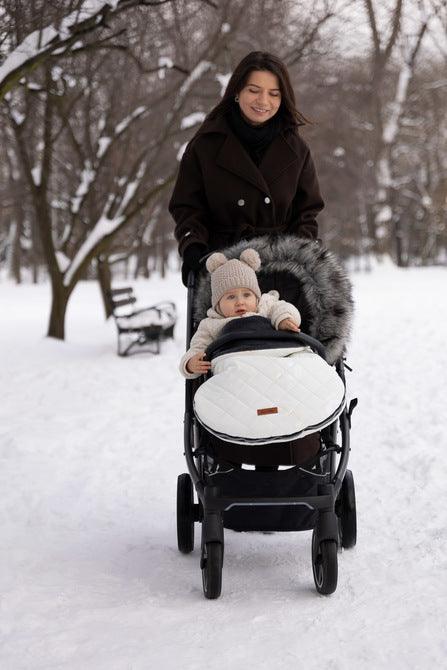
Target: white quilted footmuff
[(273, 395)]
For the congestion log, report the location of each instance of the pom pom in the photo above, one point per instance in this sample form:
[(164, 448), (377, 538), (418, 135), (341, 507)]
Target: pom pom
[(251, 258), (215, 261)]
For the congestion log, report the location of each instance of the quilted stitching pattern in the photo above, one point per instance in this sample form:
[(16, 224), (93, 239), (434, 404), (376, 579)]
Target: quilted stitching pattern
[(307, 391)]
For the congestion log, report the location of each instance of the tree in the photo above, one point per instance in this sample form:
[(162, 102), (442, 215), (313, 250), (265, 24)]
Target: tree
[(389, 103), (114, 185)]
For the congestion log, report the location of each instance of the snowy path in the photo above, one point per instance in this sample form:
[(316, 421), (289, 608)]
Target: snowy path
[(90, 449)]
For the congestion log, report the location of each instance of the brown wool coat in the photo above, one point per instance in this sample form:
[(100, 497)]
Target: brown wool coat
[(221, 196)]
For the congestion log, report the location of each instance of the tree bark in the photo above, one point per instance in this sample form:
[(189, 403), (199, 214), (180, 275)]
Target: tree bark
[(15, 259), (141, 264), (59, 302), (162, 255), (105, 283)]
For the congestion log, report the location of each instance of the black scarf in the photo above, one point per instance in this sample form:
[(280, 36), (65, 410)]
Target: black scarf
[(254, 139)]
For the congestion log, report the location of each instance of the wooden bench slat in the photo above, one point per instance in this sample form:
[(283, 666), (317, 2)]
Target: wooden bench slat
[(120, 291), (123, 301)]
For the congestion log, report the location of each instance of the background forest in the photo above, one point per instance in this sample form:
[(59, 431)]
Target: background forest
[(98, 100)]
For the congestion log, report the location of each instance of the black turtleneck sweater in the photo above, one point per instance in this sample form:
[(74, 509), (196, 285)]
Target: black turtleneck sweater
[(254, 139)]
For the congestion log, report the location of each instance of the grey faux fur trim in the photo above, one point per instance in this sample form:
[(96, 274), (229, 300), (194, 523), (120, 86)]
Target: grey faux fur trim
[(325, 284)]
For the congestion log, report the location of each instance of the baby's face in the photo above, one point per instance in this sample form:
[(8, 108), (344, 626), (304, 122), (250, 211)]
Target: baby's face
[(238, 302)]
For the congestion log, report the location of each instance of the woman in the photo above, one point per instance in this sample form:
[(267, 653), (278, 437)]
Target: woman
[(246, 172)]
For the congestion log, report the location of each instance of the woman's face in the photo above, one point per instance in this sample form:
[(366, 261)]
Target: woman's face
[(260, 98)]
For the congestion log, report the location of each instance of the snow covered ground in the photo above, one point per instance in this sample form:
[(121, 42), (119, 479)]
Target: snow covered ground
[(90, 450)]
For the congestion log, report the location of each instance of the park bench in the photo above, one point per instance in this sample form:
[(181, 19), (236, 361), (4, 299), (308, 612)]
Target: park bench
[(140, 329)]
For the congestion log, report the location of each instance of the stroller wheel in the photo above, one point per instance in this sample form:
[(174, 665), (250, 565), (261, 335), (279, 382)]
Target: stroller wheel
[(185, 514), (346, 511), (211, 564), (324, 565)]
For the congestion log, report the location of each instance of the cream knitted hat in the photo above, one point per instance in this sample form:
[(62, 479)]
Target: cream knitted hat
[(230, 274)]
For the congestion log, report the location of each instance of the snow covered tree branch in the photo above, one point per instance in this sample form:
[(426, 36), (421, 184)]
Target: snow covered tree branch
[(61, 37)]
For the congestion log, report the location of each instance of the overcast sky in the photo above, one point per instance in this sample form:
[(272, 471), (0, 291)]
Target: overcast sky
[(352, 26)]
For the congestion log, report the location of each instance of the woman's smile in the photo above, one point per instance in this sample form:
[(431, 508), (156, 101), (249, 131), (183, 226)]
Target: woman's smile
[(259, 110)]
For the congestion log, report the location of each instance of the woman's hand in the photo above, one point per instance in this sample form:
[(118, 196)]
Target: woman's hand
[(191, 260), (288, 324), (197, 365)]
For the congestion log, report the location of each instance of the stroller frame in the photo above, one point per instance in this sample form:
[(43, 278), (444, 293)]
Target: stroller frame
[(334, 502)]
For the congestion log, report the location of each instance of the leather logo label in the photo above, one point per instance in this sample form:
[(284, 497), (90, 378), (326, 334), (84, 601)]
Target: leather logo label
[(267, 410)]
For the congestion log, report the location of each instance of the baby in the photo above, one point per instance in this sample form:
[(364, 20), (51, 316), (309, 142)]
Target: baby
[(235, 293)]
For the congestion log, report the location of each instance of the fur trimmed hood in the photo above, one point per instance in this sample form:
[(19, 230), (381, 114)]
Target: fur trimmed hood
[(307, 275)]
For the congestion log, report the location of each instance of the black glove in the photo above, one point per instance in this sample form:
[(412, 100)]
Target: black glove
[(191, 260)]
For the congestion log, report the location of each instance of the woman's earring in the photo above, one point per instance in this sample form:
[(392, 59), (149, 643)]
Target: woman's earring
[(236, 98)]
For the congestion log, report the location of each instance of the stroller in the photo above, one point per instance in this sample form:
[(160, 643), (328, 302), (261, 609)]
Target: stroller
[(247, 481)]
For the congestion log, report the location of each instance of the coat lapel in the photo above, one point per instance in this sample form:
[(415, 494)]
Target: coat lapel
[(233, 157), (278, 158)]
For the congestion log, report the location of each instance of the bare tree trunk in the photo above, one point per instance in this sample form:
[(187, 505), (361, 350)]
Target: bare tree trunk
[(401, 257), (105, 283), (59, 302), (35, 270), (36, 250), (136, 272), (14, 252), (60, 292), (162, 254), (140, 261), (389, 229)]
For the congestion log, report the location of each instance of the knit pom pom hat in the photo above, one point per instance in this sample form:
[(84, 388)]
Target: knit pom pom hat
[(230, 274)]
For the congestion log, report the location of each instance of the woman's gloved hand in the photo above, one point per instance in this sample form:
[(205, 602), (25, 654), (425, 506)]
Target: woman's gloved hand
[(191, 260)]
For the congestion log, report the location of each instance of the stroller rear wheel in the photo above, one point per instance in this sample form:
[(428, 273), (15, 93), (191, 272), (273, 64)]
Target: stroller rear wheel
[(345, 509), (211, 564), (185, 514), (324, 565)]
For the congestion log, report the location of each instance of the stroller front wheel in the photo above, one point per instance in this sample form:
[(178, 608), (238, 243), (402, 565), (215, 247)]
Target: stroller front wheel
[(324, 565), (211, 564)]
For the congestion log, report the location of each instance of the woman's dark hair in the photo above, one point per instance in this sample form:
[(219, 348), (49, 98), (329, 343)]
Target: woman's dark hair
[(261, 60)]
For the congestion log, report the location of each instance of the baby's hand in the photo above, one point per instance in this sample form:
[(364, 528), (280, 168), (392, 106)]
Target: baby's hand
[(197, 364), (288, 324)]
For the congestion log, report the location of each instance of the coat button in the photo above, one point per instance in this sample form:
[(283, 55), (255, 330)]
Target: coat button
[(241, 202), (267, 200)]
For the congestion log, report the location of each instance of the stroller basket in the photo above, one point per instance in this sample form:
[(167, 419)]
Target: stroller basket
[(245, 515)]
